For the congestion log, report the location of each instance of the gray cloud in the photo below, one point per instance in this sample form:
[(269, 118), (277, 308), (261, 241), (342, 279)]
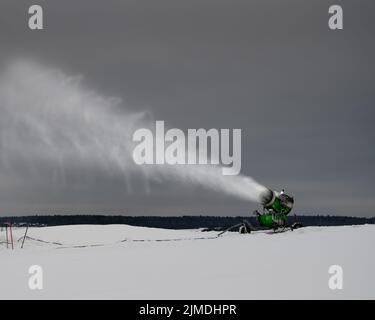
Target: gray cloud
[(303, 95)]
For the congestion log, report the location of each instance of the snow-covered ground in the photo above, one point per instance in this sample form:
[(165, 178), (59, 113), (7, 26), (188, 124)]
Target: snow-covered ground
[(125, 262)]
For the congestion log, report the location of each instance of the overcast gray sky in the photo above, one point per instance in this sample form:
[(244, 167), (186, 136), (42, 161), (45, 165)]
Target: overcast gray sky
[(303, 95)]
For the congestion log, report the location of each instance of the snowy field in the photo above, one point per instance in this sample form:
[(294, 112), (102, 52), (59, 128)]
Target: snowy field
[(125, 262)]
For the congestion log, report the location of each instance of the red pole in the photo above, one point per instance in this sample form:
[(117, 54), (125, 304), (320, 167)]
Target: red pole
[(11, 235), (6, 232)]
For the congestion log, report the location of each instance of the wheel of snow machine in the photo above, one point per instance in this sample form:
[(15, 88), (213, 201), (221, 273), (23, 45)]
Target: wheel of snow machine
[(244, 229)]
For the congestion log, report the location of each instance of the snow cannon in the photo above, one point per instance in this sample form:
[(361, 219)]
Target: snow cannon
[(276, 207), (278, 202)]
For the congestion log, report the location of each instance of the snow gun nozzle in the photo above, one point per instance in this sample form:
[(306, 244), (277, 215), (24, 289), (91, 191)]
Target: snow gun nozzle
[(267, 197)]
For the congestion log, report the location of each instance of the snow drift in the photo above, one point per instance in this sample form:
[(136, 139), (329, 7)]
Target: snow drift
[(94, 262)]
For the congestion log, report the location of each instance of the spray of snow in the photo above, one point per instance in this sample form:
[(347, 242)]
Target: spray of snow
[(53, 127)]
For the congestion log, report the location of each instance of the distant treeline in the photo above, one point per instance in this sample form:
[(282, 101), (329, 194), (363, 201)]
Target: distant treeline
[(181, 222)]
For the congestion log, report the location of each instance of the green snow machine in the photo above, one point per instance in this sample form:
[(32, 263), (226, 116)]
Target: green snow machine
[(276, 207)]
